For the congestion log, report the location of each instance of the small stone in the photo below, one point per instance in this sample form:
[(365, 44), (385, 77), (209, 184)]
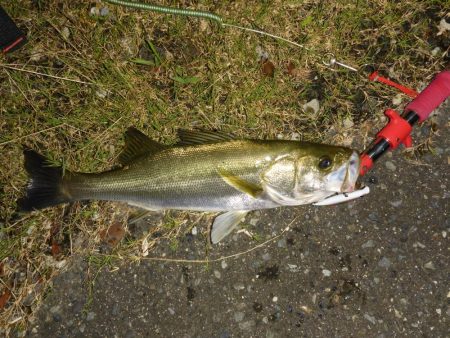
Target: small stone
[(443, 26), (348, 123), (266, 256), (384, 263), (326, 273), (90, 316), (262, 54), (254, 221), (373, 217), (239, 316), (389, 165), (376, 280), (204, 25), (94, 11), (55, 309), (82, 328), (225, 334), (239, 286), (65, 32), (275, 299), (369, 244), (194, 231), (282, 243), (439, 311), (419, 245), (224, 264), (312, 106), (397, 99), (370, 318), (295, 136), (171, 311), (435, 51), (429, 266), (104, 11), (101, 93), (248, 325), (293, 268), (396, 204), (217, 274)]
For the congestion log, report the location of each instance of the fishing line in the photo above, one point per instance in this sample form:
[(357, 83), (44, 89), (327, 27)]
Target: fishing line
[(219, 20)]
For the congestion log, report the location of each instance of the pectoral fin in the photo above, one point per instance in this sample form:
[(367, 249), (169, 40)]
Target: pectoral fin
[(225, 223), (240, 184)]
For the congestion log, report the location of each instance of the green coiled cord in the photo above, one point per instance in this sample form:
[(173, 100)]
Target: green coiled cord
[(198, 14), (167, 10)]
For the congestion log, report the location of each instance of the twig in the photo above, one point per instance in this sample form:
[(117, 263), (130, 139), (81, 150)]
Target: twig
[(47, 75), (37, 132)]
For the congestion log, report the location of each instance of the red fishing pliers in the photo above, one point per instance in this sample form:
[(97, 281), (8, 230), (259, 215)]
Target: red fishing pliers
[(398, 130)]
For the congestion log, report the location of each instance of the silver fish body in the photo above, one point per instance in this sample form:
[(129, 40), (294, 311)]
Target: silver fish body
[(206, 172)]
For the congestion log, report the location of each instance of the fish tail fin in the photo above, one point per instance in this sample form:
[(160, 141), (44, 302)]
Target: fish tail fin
[(45, 187)]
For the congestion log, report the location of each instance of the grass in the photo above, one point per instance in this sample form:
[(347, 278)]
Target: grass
[(160, 73)]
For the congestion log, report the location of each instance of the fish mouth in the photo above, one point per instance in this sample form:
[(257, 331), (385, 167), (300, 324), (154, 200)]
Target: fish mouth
[(351, 173), (344, 178)]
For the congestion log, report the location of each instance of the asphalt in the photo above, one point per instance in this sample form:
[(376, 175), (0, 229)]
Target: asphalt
[(375, 267)]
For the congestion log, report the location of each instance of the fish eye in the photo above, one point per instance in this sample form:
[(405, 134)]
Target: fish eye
[(325, 162)]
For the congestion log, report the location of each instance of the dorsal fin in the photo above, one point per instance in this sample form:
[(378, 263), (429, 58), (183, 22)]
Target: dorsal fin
[(192, 137), (137, 144)]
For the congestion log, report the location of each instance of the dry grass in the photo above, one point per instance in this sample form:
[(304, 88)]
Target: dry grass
[(76, 86)]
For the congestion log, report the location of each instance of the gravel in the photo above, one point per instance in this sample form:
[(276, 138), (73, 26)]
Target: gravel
[(391, 166), (385, 263)]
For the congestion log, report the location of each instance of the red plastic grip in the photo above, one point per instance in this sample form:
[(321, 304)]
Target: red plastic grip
[(365, 164), (397, 131), (431, 97)]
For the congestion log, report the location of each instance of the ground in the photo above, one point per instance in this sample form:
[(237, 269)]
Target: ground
[(377, 266)]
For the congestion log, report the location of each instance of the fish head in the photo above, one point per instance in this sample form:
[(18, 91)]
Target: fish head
[(311, 173)]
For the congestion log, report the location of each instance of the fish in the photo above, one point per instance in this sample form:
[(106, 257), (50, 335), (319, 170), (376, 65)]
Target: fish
[(205, 171)]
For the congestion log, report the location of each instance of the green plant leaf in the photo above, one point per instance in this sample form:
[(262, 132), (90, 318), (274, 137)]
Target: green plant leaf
[(186, 80), (143, 62)]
